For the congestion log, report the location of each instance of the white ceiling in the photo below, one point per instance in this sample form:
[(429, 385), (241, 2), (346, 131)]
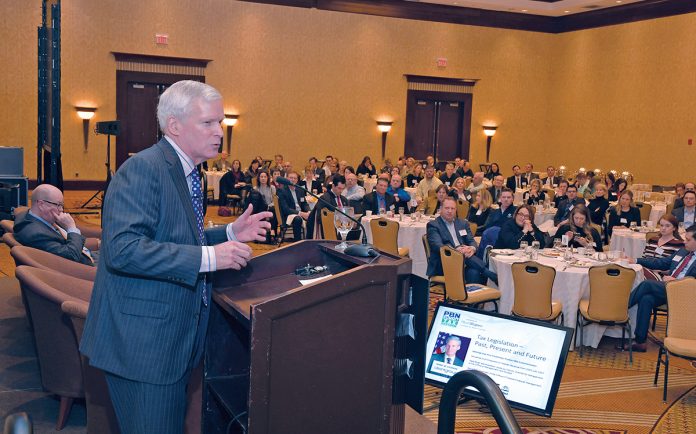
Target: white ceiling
[(555, 9)]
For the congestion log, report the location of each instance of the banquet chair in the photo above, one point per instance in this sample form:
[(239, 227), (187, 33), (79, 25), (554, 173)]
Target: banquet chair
[(235, 202), (327, 224), (36, 258), (533, 283), (385, 236), (7, 226), (462, 209), (610, 287), (669, 208), (283, 228), (56, 345), (473, 227), (88, 230), (644, 209), (436, 282), (550, 194), (658, 310), (679, 339), (9, 239), (457, 290), (101, 418)]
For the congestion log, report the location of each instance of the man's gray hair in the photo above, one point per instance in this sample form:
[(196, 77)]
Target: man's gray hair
[(176, 100), (453, 338)]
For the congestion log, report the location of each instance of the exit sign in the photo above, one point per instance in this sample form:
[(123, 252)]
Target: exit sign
[(161, 39)]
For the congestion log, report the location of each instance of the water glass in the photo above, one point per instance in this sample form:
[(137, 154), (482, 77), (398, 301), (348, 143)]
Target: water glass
[(633, 226), (524, 245), (557, 243), (534, 255), (568, 254), (602, 257), (581, 251)]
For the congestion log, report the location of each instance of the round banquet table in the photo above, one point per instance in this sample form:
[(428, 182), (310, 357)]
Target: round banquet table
[(411, 236), (213, 178), (632, 244), (570, 286)]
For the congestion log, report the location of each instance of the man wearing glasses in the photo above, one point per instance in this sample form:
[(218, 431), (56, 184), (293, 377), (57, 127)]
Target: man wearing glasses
[(46, 227)]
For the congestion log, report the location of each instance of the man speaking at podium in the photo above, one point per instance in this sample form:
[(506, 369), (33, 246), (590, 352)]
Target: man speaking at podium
[(149, 310)]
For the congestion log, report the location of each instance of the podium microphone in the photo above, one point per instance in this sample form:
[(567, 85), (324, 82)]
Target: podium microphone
[(363, 250)]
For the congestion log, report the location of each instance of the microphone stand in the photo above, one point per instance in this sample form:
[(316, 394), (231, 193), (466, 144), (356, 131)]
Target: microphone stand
[(363, 250)]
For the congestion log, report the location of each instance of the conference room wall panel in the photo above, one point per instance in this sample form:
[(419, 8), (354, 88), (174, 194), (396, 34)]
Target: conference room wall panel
[(308, 82)]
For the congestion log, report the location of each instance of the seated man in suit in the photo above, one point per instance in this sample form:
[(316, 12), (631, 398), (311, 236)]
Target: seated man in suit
[(401, 197), (504, 212), (528, 174), (551, 180), (497, 188), (292, 202), (566, 206), (516, 181), (221, 163), (46, 227), (449, 357), (651, 293), (456, 233), (449, 176), (335, 197), (687, 213), (379, 201)]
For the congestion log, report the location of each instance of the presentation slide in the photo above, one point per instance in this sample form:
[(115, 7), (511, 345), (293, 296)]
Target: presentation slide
[(524, 358)]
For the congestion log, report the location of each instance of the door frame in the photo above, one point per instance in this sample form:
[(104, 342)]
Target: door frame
[(122, 80)]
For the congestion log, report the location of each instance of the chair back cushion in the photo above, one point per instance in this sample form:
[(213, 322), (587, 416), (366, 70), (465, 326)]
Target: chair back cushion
[(7, 226), (36, 258), (9, 239), (533, 283), (453, 270), (681, 304), (610, 287), (327, 224), (463, 209), (426, 246), (385, 234), (645, 209)]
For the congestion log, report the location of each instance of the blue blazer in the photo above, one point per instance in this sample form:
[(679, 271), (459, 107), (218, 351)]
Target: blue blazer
[(679, 214), (439, 236), (145, 306), (668, 263)]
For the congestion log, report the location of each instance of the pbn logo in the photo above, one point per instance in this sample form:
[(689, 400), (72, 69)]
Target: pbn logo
[(450, 319)]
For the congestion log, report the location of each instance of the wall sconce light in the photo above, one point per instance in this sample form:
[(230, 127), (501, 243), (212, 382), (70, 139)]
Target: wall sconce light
[(489, 131), (230, 121), (384, 127), (85, 113)]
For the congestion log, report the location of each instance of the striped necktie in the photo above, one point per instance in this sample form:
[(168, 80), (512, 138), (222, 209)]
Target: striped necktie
[(197, 201)]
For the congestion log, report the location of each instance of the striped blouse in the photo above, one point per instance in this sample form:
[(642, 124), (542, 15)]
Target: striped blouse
[(668, 249)]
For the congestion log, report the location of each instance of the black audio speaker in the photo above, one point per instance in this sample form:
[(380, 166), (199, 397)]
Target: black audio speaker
[(11, 161), (13, 192)]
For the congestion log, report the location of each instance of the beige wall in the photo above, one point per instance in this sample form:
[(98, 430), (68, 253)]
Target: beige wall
[(310, 82)]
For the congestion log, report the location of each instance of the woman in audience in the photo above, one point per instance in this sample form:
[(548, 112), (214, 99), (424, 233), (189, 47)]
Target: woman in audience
[(536, 194), (617, 188), (623, 213), (432, 205), (252, 172), (458, 191), (609, 180), (599, 204), (387, 167), (578, 230), (262, 198), (274, 175), (366, 167), (519, 228), (664, 244), (479, 210), (416, 176), (493, 171), (232, 182), (310, 182), (396, 171)]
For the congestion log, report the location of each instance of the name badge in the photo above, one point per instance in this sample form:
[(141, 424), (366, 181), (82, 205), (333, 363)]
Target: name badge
[(447, 183), (479, 212), (391, 207), (414, 182), (623, 220), (597, 210), (462, 232), (677, 258), (659, 250), (468, 197), (302, 199), (570, 207)]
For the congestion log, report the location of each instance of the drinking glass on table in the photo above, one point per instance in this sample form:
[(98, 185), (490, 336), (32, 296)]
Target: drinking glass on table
[(524, 245), (343, 225), (568, 254), (557, 243), (633, 226)]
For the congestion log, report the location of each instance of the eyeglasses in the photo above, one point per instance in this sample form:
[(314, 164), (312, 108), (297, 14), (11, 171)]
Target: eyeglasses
[(58, 204)]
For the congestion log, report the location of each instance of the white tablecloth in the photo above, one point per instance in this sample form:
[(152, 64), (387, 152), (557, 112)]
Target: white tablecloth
[(657, 211), (542, 215), (411, 236), (570, 286), (213, 178), (519, 196), (627, 241)]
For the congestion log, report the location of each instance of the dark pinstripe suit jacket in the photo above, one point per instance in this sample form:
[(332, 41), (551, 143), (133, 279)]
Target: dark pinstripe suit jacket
[(144, 310)]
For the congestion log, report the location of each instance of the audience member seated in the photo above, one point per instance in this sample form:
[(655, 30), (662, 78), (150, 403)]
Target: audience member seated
[(335, 197), (493, 171), (609, 180), (46, 227), (561, 193), (536, 194), (582, 182), (353, 191), (651, 293), (310, 182), (479, 210), (401, 198), (379, 202), (566, 206), (449, 176), (516, 181), (496, 188), (551, 181), (319, 174), (687, 213), (599, 204), (505, 211), (451, 231), (619, 187), (464, 169), (427, 184), (294, 208), (366, 167), (477, 183), (519, 228), (221, 163), (432, 204), (408, 167), (232, 182), (663, 245), (578, 231), (415, 176), (459, 192), (274, 175), (623, 214), (278, 163), (252, 172), (529, 175)]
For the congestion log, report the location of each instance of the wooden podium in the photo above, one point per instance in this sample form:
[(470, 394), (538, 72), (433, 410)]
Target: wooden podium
[(285, 358)]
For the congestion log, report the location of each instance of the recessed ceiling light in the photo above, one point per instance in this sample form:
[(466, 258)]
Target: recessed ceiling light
[(524, 10), (567, 12)]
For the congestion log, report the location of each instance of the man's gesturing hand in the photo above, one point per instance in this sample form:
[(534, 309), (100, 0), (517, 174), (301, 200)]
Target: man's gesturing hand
[(232, 254)]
